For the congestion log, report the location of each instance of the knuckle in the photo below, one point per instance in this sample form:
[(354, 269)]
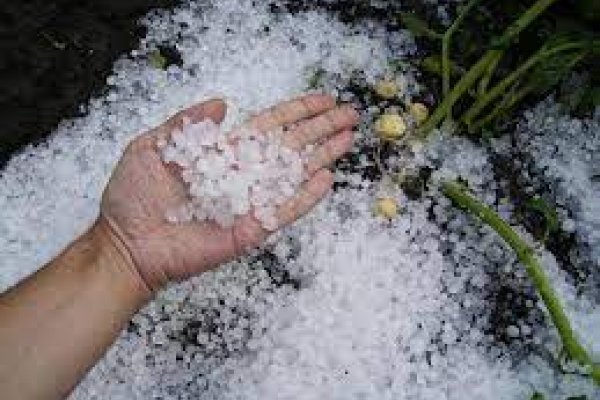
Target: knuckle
[(287, 212), (281, 113), (330, 152), (350, 112), (331, 120), (307, 104), (246, 237), (305, 200), (135, 145), (313, 165)]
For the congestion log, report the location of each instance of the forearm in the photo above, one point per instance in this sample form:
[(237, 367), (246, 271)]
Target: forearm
[(57, 323)]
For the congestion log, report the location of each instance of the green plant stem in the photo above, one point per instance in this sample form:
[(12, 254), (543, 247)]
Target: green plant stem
[(464, 84), (501, 87), (469, 79), (506, 105), (446, 44), (489, 74), (459, 195), (523, 21)]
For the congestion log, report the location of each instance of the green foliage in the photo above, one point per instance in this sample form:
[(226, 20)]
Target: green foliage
[(565, 51), (418, 27), (551, 70), (551, 223), (501, 78), (539, 396), (460, 196), (573, 96), (502, 68), (157, 60), (590, 98), (316, 78), (399, 65), (589, 9), (433, 65)]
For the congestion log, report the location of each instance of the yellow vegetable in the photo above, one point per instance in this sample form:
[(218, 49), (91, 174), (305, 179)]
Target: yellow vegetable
[(386, 89), (390, 126), (386, 207), (419, 112)]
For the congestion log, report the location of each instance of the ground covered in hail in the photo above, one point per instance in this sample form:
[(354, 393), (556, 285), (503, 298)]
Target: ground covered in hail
[(344, 304)]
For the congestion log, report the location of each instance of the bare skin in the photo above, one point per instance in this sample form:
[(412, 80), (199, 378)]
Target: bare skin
[(58, 322)]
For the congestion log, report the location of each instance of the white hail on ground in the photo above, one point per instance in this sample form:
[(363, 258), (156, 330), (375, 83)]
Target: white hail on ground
[(380, 313)]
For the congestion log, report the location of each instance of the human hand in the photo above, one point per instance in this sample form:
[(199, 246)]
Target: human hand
[(142, 189)]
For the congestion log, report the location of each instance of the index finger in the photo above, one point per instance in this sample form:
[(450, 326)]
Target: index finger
[(291, 111), (213, 109), (310, 193)]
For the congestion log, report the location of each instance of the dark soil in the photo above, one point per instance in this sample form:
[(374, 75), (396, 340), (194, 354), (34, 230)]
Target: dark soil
[(55, 55)]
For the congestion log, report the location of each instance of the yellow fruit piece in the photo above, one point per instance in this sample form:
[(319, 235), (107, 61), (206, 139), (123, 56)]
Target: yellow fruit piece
[(419, 112), (386, 207), (390, 126), (386, 89)]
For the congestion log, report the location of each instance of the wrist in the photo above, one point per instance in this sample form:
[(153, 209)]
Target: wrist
[(119, 258)]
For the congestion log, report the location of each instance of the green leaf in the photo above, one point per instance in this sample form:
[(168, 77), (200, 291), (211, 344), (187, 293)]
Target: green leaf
[(548, 212), (551, 70), (574, 97), (157, 60), (589, 9), (582, 96), (500, 43), (537, 396), (574, 26), (433, 65), (418, 27), (399, 65), (316, 78), (582, 397), (590, 100)]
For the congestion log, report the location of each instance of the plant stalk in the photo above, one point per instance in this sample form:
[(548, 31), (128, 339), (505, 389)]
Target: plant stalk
[(488, 74), (458, 194), (507, 104), (469, 79), (446, 44), (501, 87), (457, 91)]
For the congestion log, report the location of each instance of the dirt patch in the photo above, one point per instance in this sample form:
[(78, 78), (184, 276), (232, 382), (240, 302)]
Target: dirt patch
[(55, 55)]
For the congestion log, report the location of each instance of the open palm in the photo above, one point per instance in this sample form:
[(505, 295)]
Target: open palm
[(142, 188)]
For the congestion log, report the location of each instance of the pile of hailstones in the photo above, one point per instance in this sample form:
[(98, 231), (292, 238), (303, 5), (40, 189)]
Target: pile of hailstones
[(232, 174)]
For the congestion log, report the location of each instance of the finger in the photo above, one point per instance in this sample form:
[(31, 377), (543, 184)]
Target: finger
[(248, 233), (292, 111), (329, 151), (213, 109), (320, 127), (307, 197)]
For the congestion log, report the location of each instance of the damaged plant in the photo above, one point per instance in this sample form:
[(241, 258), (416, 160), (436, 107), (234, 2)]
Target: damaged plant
[(499, 80), (526, 255)]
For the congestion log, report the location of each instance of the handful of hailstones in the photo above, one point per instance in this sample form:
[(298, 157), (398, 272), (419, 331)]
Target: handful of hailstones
[(232, 174)]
